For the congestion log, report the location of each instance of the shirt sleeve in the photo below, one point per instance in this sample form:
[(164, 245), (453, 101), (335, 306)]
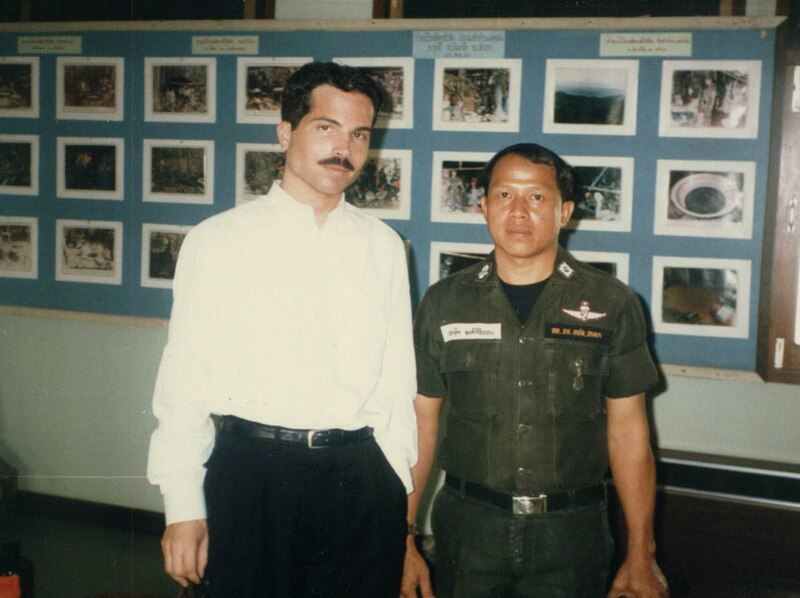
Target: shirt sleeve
[(427, 347), (398, 440), (631, 368), (184, 437)]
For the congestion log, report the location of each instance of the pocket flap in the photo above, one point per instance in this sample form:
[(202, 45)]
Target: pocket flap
[(572, 357), (470, 355)]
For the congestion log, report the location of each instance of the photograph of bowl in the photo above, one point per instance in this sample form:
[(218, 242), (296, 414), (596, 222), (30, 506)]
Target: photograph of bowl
[(706, 195)]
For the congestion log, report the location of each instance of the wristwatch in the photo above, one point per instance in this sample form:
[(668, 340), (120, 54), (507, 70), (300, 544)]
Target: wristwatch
[(413, 530)]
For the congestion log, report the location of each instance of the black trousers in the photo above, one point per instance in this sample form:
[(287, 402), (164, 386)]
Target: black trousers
[(289, 521)]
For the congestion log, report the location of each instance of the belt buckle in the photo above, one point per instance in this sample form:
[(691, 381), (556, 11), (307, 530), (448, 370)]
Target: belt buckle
[(529, 505), (310, 439)]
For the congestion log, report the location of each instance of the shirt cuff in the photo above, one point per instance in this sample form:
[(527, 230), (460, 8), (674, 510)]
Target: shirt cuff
[(184, 504)]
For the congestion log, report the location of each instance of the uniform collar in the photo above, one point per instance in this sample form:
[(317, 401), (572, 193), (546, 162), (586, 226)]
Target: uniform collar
[(566, 267), (564, 270)]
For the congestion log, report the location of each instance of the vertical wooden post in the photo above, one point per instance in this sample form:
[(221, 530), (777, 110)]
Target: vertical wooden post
[(396, 9), (387, 9), (251, 9)]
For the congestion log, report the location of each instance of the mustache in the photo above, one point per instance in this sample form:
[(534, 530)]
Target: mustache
[(337, 161)]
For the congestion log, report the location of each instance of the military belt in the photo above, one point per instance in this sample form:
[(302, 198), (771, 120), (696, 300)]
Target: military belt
[(528, 504)]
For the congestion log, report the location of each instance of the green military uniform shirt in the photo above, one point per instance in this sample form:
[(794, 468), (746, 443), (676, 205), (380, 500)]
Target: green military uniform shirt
[(525, 408)]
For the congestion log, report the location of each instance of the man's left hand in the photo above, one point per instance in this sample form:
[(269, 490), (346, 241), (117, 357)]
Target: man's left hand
[(639, 579)]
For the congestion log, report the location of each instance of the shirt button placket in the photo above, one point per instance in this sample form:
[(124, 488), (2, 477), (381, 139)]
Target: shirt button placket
[(523, 429)]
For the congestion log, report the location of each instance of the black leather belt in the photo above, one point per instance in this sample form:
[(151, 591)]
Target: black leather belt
[(231, 424), (528, 504)]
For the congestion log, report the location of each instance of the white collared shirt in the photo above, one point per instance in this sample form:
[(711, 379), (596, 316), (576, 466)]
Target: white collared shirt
[(279, 321)]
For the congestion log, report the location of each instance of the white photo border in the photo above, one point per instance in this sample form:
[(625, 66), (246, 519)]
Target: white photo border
[(704, 227), (620, 259), (514, 67), (243, 115), (210, 114), (438, 213), (33, 227), (406, 63), (91, 113), (33, 110), (63, 273), (628, 126), (626, 166), (404, 210), (205, 198), (439, 248), (33, 188), (119, 165), (741, 328), (666, 126), (241, 151), (147, 234)]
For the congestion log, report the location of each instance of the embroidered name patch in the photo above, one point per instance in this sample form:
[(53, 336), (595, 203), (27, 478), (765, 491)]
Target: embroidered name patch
[(466, 331), (576, 332)]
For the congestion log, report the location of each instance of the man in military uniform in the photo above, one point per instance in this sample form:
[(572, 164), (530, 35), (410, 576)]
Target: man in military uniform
[(541, 364)]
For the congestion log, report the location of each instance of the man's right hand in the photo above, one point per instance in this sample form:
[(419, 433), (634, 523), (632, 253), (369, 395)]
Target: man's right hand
[(416, 576), (185, 547)]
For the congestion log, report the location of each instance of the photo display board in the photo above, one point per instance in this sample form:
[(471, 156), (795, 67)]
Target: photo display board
[(114, 143)]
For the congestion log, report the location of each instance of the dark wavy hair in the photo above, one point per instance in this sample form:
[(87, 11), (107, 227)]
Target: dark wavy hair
[(296, 100), (537, 155)]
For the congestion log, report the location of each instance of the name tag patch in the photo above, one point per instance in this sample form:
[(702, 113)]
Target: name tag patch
[(576, 332), (471, 331)]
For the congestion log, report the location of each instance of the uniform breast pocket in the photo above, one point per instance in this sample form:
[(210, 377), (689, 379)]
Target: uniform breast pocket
[(576, 375), (471, 370)]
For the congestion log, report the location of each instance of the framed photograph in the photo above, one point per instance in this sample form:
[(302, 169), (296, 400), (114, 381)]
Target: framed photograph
[(603, 193), (384, 186), (701, 296), (449, 258), (591, 97), (705, 198), (178, 171), (479, 94), (161, 244), (19, 247), (258, 165), (610, 262), (90, 167), (259, 87), (89, 251), (397, 77), (90, 88), (19, 164), (181, 89), (19, 87), (455, 190), (710, 98)]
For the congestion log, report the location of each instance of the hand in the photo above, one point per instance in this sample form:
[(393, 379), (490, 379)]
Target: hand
[(639, 579), (415, 573), (185, 547)]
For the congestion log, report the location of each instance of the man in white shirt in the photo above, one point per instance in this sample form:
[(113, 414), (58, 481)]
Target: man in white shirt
[(291, 321)]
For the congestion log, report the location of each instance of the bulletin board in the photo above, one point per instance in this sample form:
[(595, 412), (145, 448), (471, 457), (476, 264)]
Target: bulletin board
[(116, 139)]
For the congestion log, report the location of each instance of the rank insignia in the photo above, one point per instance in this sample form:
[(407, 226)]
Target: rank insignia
[(584, 313), (484, 272), (566, 270)]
